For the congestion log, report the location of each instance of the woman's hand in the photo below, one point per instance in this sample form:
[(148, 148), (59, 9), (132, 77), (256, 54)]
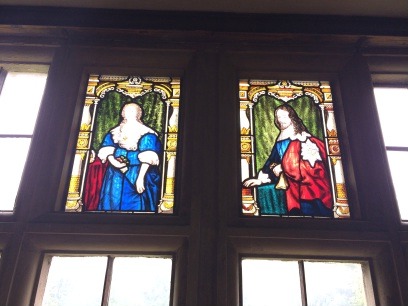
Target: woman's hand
[(117, 164), (140, 187)]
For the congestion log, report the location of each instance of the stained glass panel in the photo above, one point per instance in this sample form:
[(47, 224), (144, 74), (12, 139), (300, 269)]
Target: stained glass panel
[(290, 155), (126, 150)]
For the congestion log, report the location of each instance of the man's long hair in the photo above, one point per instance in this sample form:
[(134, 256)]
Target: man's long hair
[(298, 124)]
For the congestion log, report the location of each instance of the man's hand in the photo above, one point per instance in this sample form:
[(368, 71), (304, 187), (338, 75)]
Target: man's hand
[(277, 170), (252, 182)]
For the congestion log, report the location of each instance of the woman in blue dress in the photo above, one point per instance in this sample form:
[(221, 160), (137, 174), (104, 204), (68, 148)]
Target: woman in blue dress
[(132, 179)]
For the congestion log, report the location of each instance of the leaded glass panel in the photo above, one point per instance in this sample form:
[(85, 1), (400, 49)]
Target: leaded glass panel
[(291, 163), (126, 150)]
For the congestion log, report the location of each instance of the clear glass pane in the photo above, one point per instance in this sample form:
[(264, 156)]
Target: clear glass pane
[(141, 281), (392, 106), (270, 282), (13, 160), (75, 281), (398, 162), (334, 284), (20, 99)]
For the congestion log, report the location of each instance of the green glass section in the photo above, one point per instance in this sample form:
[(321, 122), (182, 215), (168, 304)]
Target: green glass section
[(109, 108), (266, 131)]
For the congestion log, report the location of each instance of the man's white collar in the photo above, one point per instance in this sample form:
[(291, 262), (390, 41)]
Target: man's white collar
[(300, 136)]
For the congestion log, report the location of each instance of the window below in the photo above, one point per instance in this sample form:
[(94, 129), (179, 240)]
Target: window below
[(20, 98), (105, 280), (392, 106), (304, 283)]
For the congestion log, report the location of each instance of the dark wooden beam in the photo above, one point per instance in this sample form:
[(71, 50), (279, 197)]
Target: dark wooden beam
[(202, 21)]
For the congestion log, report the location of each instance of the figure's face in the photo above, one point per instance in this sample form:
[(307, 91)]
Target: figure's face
[(129, 112), (283, 119)]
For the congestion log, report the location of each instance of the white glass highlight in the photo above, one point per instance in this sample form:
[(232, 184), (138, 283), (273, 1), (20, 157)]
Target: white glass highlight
[(12, 168), (392, 106), (398, 162), (75, 281), (270, 282), (334, 284), (20, 99), (141, 281)]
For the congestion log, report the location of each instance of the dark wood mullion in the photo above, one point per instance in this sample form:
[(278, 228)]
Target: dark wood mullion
[(302, 282), (108, 281), (390, 148)]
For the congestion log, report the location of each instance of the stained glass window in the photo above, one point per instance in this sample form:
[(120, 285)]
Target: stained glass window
[(125, 157), (290, 155)]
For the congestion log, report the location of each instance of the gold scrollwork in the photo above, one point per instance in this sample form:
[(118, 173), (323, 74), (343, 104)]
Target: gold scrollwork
[(74, 184), (246, 147), (175, 103), (246, 144), (170, 155), (334, 160), (247, 157), (172, 142), (332, 133), (243, 94), (170, 185), (343, 211), (245, 131), (173, 129), (328, 97), (85, 127), (315, 92), (83, 140), (72, 205), (334, 147), (167, 203), (341, 190)]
